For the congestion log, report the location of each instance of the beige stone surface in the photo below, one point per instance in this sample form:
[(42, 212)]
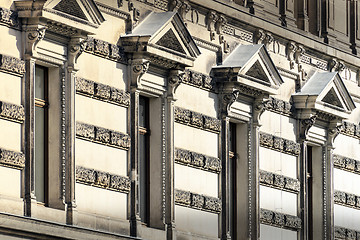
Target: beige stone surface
[(196, 140), (346, 217), (277, 162), (101, 114), (271, 233), (112, 25), (196, 221), (10, 38), (101, 201), (278, 125), (102, 70), (10, 138), (10, 88), (278, 201), (196, 180), (346, 181), (350, 149), (101, 157), (197, 100), (10, 182)]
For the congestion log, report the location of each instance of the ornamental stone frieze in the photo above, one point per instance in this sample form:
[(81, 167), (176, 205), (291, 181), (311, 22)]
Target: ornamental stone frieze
[(9, 18), (346, 163), (278, 181), (350, 129), (104, 49), (197, 120), (102, 135), (279, 106), (347, 199), (102, 92), (12, 159), (345, 233), (280, 220), (197, 160), (102, 179), (12, 65), (12, 112), (199, 80), (279, 144), (197, 201)]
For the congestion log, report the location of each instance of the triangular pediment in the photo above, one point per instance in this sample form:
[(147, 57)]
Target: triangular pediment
[(256, 71), (165, 36), (79, 9), (325, 92), (252, 66), (64, 17), (72, 8)]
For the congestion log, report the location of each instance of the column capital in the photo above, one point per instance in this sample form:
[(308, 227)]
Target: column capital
[(226, 100), (174, 79), (138, 67), (34, 33)]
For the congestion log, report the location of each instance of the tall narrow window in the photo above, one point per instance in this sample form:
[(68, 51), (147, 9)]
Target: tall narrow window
[(232, 177), (41, 133), (143, 167)]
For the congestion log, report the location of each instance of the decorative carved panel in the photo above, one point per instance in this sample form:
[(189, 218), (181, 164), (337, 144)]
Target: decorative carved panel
[(197, 160), (12, 112), (279, 144), (197, 201), (280, 220), (279, 181), (347, 199), (12, 159), (12, 65), (104, 49), (9, 18)]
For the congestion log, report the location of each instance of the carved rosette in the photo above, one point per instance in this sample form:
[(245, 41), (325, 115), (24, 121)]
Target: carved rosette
[(12, 65), (12, 159), (102, 179), (197, 201), (103, 136), (280, 220), (12, 112)]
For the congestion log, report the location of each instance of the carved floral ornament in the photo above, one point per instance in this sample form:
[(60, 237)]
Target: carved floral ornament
[(12, 159), (197, 160), (280, 220), (9, 18), (12, 65), (197, 201), (278, 181), (279, 144), (345, 233)]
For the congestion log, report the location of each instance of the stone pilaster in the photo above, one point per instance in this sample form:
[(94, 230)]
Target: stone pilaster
[(174, 79), (33, 34), (137, 68)]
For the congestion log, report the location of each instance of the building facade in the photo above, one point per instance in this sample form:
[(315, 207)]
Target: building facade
[(180, 119)]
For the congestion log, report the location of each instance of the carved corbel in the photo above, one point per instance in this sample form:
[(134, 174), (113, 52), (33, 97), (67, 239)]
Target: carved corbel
[(220, 23), (290, 53), (34, 34), (184, 9), (120, 3), (268, 40), (76, 48), (174, 5), (333, 131), (259, 108), (211, 19), (138, 68), (259, 36), (305, 125), (175, 78), (333, 64), (341, 66), (226, 100)]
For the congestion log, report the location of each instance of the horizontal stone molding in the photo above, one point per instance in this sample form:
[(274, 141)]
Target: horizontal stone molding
[(102, 92), (345, 233), (279, 106), (104, 49), (347, 164), (281, 220), (9, 18), (101, 179), (12, 65), (197, 160), (102, 135), (197, 201), (198, 80), (279, 181), (12, 159), (197, 120), (350, 129), (347, 199), (279, 144), (12, 112)]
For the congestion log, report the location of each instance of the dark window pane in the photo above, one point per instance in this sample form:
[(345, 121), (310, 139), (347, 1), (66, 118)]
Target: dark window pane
[(40, 82), (40, 154), (143, 111)]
